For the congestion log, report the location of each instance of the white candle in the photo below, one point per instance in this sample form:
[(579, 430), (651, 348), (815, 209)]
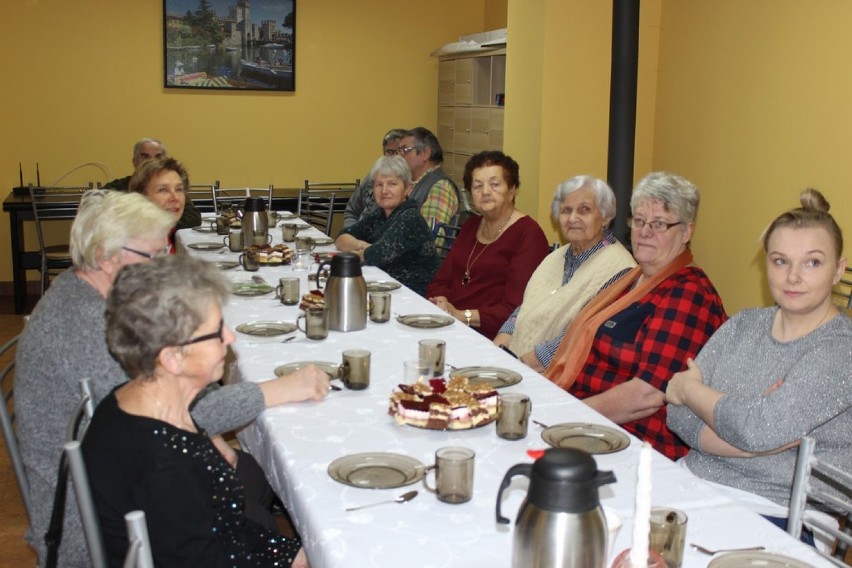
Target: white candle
[(642, 513)]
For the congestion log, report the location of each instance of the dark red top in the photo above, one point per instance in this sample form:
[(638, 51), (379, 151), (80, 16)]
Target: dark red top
[(498, 276), (651, 340)]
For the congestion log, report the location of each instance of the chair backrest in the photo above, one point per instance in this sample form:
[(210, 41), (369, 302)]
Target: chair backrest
[(446, 233), (317, 208), (808, 467), (7, 420), (201, 194), (139, 552), (842, 291), (335, 186), (53, 204), (224, 197), (319, 192)]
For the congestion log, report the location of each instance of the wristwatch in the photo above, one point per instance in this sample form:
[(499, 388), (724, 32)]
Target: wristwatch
[(468, 315)]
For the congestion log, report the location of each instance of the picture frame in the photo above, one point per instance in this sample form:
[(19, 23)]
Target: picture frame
[(229, 44)]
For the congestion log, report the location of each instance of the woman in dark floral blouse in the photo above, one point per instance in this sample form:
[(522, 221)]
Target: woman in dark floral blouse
[(394, 237)]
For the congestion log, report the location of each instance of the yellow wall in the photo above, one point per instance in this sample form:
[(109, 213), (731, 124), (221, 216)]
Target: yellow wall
[(754, 105), (84, 82), (749, 100), (558, 66)]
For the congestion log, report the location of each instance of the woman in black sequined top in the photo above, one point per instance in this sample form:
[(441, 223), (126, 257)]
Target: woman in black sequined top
[(144, 451)]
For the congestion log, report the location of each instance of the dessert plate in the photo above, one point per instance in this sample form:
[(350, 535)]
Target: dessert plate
[(330, 368), (496, 377), (455, 426), (282, 216), (425, 321), (376, 470), (206, 246), (266, 328), (323, 241), (745, 559), (382, 285), (592, 438), (251, 289), (204, 229), (226, 264)]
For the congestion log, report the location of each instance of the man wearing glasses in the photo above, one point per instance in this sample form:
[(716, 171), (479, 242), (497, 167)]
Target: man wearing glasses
[(152, 149), (362, 200), (435, 193)]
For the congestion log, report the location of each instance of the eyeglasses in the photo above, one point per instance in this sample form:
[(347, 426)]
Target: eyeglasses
[(391, 152), (405, 150), (215, 335), (162, 252), (657, 225)]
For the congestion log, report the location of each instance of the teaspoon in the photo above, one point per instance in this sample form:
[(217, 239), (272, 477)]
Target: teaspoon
[(700, 548), (401, 499)]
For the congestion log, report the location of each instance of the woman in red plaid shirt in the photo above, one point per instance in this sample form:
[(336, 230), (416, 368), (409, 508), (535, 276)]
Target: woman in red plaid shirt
[(624, 346)]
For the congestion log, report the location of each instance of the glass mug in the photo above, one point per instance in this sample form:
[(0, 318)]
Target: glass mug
[(316, 323)]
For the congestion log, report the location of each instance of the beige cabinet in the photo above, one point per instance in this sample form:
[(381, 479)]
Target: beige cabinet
[(471, 91)]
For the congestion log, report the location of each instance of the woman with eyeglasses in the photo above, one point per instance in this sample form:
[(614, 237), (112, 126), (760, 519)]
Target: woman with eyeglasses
[(482, 280), (571, 275), (143, 448), (623, 347), (772, 375), (164, 182), (65, 340)]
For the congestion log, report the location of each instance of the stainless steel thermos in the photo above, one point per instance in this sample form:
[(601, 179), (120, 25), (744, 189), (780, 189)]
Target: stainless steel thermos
[(345, 292), (560, 524)]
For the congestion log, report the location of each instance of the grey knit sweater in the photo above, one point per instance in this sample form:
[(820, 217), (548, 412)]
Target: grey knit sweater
[(63, 342), (743, 360)]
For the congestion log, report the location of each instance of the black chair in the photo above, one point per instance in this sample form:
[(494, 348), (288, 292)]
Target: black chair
[(55, 203), (808, 468), (202, 194), (315, 197)]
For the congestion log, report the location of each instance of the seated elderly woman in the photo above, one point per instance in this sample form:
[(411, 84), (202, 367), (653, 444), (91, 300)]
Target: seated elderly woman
[(569, 276), (394, 236), (483, 278), (164, 182), (65, 340), (143, 449), (772, 375), (623, 347)]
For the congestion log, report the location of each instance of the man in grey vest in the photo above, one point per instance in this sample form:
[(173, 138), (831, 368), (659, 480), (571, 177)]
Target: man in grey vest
[(435, 193)]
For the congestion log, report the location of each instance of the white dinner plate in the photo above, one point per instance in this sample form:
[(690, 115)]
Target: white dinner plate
[(323, 241), (382, 286), (266, 328), (744, 559), (496, 377), (206, 246), (425, 321), (592, 438), (376, 470), (330, 368)]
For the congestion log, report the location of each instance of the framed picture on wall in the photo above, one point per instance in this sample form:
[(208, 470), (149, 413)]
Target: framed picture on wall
[(230, 44)]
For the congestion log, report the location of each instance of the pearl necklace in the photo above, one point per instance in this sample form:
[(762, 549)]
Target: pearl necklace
[(469, 265)]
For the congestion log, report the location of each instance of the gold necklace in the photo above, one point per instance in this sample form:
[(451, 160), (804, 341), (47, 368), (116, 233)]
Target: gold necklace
[(466, 278)]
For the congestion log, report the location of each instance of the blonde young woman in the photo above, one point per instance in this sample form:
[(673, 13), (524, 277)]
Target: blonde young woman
[(772, 375)]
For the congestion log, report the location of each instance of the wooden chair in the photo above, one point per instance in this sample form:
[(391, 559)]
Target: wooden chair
[(224, 197), (7, 421), (55, 203), (809, 467), (842, 291)]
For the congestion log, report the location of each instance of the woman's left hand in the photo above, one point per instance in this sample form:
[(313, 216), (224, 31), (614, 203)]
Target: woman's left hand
[(444, 304), (680, 382), (532, 361)]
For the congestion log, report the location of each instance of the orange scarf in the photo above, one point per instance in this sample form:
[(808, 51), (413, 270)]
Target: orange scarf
[(574, 349)]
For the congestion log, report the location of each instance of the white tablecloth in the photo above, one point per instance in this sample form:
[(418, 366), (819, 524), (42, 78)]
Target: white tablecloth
[(296, 443)]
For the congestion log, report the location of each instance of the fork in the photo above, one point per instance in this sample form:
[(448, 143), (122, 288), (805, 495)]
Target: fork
[(707, 551)]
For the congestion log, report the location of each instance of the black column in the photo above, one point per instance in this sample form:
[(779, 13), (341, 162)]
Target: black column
[(622, 109)]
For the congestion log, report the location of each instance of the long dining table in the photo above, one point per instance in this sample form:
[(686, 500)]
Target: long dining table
[(295, 444)]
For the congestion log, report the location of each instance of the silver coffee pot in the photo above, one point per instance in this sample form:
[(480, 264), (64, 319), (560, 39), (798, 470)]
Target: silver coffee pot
[(345, 292), (560, 524), (255, 222)]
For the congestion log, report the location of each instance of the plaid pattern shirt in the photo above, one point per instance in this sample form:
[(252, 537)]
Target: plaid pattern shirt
[(651, 340), (441, 204)]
